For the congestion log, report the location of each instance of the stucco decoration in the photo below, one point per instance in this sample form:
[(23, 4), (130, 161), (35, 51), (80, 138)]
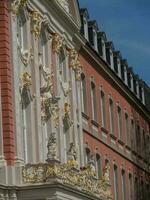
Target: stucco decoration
[(52, 147), (67, 116), (17, 5), (25, 55), (49, 102), (75, 63), (57, 42), (66, 87), (82, 180), (36, 22), (25, 88)]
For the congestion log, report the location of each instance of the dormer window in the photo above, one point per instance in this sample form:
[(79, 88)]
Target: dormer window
[(95, 40), (85, 26)]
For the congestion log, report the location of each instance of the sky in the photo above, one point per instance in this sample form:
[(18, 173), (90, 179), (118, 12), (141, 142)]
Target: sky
[(127, 24)]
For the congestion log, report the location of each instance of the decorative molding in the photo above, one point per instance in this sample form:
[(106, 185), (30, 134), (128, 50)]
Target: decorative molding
[(57, 42), (64, 4), (75, 63), (82, 179)]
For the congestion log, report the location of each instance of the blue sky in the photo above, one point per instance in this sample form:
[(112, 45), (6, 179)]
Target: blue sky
[(127, 24)]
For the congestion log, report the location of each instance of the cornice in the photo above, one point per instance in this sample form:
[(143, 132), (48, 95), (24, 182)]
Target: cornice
[(101, 66)]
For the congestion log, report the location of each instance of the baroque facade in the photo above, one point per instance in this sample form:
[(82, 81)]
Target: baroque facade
[(62, 87)]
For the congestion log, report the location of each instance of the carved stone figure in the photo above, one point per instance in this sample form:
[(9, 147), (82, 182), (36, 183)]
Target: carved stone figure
[(51, 147), (25, 88), (67, 116), (106, 173), (72, 156)]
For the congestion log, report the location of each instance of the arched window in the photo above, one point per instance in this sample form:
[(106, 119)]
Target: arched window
[(103, 108), (123, 180), (83, 94), (116, 197), (87, 155), (62, 65), (98, 166), (93, 99), (111, 114)]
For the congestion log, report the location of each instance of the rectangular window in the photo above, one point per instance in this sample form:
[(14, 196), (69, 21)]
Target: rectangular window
[(93, 98), (116, 183), (111, 113), (103, 109), (123, 179), (119, 123)]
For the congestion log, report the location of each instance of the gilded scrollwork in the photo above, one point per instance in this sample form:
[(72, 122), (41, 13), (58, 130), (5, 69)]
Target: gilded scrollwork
[(36, 20), (75, 63), (81, 179), (57, 42)]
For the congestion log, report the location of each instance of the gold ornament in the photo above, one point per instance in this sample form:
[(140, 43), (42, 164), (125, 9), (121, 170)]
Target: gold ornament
[(75, 63), (58, 42), (36, 20), (16, 5)]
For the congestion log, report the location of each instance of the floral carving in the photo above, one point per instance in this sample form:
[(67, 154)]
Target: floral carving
[(16, 5), (58, 42), (82, 179), (75, 63)]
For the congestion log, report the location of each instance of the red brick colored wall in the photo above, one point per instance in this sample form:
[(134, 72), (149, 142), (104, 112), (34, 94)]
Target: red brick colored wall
[(95, 144), (6, 83)]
